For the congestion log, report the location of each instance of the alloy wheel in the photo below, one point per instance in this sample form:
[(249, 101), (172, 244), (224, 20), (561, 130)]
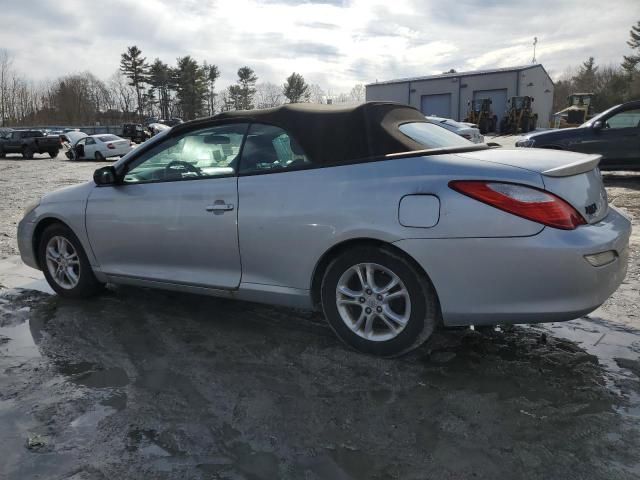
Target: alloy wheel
[(373, 302), (63, 262)]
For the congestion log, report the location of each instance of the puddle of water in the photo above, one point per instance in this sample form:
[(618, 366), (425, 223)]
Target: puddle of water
[(614, 345), (17, 341), (93, 376), (600, 338), (88, 421)]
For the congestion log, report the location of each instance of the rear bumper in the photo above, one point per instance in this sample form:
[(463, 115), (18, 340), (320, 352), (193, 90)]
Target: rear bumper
[(542, 278), (117, 152)]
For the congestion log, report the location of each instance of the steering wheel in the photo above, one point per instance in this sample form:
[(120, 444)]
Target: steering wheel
[(176, 166)]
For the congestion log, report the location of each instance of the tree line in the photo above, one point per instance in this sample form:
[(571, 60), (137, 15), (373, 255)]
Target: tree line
[(610, 84), (139, 90)]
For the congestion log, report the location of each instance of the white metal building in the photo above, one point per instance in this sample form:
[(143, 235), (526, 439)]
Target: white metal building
[(449, 95)]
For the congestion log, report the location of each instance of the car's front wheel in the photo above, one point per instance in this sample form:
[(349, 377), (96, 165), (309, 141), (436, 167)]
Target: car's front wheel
[(65, 263), (378, 302)]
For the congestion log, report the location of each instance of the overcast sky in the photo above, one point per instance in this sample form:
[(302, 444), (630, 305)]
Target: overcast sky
[(336, 43)]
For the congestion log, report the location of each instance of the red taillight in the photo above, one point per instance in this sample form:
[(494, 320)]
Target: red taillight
[(526, 202), (110, 146)]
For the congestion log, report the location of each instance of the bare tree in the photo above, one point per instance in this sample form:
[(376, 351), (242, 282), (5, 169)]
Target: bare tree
[(268, 95), (5, 72), (358, 93), (317, 94)]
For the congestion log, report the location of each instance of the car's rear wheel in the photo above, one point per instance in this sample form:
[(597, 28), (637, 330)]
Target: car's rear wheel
[(53, 153), (377, 302), (99, 157), (65, 263), (27, 153)]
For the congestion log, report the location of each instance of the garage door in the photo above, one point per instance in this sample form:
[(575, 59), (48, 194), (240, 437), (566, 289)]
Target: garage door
[(436, 105), (498, 101)]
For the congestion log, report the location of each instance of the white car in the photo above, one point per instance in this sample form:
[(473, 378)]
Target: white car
[(99, 147), (463, 129)]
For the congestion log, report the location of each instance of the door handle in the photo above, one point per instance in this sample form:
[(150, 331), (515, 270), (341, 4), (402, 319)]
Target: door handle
[(220, 207)]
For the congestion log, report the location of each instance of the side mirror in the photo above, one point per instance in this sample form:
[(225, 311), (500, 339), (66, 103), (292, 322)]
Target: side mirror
[(105, 175), (597, 125)]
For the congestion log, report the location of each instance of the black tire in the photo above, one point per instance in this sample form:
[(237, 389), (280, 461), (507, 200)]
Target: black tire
[(27, 153), (53, 153), (87, 284), (2, 154), (99, 157), (424, 313), (482, 125), (504, 125)]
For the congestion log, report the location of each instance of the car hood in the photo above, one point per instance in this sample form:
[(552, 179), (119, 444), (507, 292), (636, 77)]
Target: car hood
[(555, 133), (66, 194), (532, 159)]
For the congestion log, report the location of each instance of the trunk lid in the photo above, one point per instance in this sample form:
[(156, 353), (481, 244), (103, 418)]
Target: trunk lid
[(571, 176)]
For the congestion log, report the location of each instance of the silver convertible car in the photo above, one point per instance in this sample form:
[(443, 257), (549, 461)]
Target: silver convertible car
[(390, 224)]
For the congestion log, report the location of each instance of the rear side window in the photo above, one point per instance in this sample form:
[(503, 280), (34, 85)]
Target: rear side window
[(432, 136), (270, 149), (108, 138)]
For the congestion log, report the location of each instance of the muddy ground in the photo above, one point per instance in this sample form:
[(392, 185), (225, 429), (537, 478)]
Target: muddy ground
[(145, 384)]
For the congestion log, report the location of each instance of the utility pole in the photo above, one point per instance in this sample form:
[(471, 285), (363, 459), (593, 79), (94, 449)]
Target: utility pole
[(535, 42)]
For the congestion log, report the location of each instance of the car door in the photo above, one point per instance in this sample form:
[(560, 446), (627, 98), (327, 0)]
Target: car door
[(90, 147), (620, 134), (80, 148), (281, 211), (14, 145), (173, 217)]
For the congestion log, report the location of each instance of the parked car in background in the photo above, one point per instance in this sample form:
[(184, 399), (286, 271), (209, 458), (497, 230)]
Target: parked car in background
[(135, 132), (614, 134), (28, 143), (391, 224), (463, 129), (99, 147)]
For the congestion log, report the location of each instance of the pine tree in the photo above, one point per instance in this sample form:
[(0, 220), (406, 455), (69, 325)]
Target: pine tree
[(133, 65), (585, 80), (242, 94), (295, 89), (212, 73), (161, 79), (631, 61), (191, 87)]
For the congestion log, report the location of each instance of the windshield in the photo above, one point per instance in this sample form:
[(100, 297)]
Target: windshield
[(433, 136), (598, 117)]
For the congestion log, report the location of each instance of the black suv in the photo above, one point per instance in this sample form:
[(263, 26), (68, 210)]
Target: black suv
[(28, 143), (614, 134)]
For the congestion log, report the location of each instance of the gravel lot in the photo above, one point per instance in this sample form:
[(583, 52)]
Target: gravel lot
[(146, 384)]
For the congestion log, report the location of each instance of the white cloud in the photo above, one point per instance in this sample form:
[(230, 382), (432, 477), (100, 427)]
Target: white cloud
[(336, 43)]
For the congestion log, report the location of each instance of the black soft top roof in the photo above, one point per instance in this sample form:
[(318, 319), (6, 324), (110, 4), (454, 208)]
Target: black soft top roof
[(331, 134)]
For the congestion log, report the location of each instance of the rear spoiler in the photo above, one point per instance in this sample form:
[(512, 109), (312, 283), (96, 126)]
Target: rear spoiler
[(575, 168)]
